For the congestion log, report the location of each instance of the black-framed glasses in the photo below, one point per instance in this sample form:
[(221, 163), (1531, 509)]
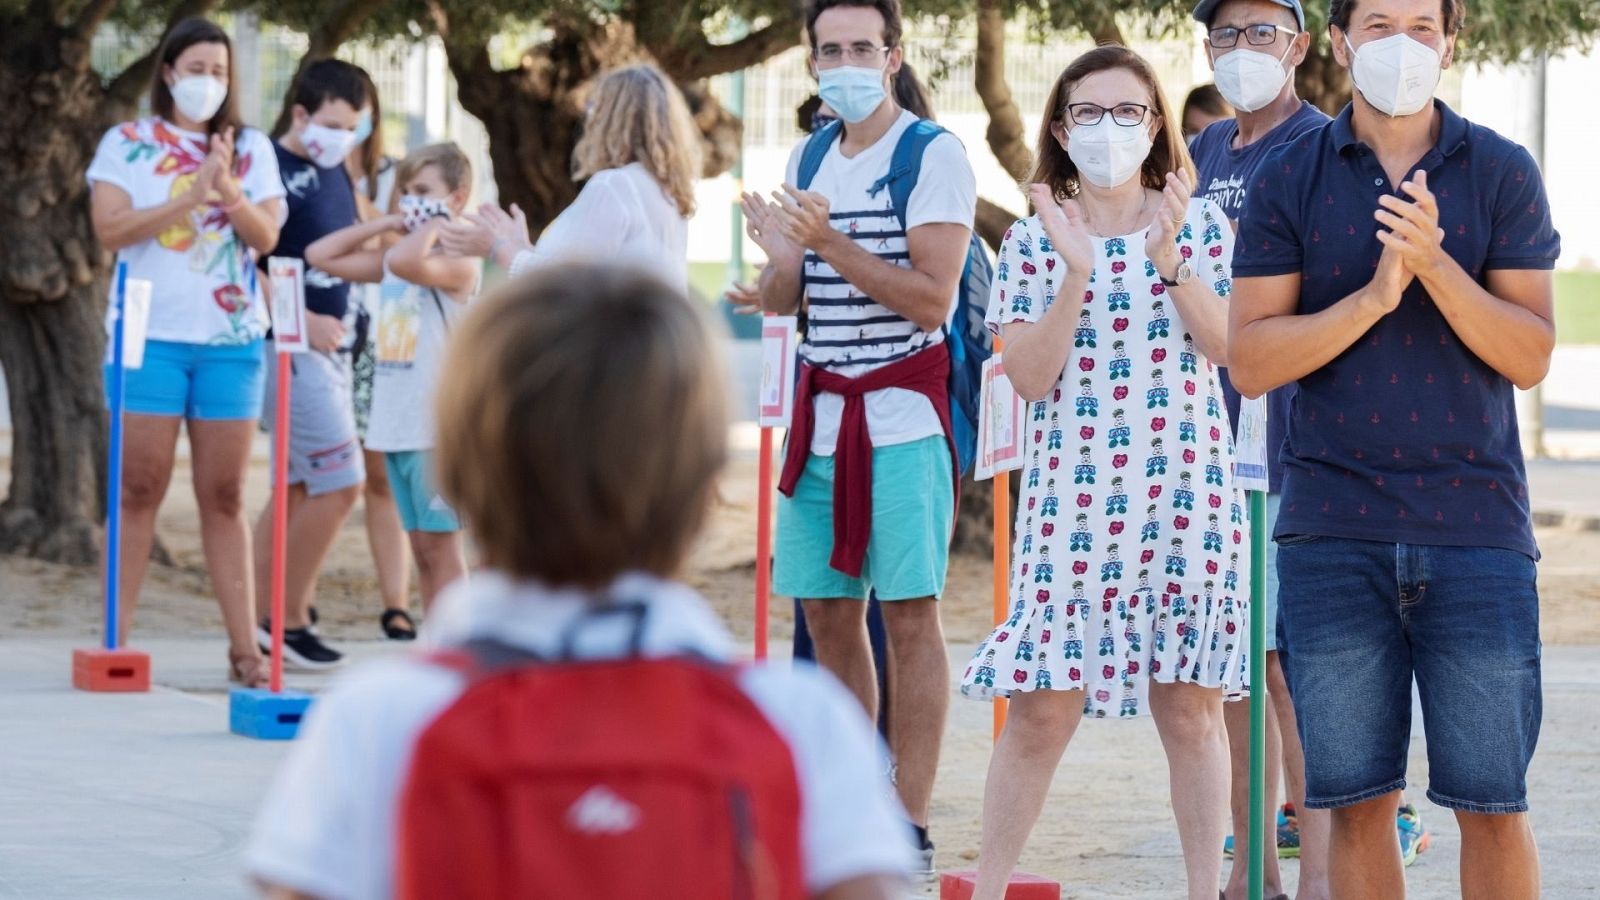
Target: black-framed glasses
[(1126, 114), (1260, 34), (859, 54)]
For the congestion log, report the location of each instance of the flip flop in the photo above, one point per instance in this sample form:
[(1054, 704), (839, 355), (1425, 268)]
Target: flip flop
[(393, 630)]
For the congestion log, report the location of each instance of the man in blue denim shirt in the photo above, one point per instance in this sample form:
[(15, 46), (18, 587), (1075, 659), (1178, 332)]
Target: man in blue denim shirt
[(1396, 263)]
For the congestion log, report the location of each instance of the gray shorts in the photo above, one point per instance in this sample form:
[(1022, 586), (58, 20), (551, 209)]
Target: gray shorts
[(324, 454)]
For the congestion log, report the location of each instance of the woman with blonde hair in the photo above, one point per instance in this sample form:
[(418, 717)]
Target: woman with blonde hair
[(640, 153)]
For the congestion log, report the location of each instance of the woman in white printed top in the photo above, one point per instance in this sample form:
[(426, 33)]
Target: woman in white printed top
[(640, 152), (187, 197)]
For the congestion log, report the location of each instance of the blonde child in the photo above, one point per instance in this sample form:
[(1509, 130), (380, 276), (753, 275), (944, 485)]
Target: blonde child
[(422, 292)]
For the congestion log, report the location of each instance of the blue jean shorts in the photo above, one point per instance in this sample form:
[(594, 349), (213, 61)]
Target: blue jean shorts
[(908, 552), (1361, 619), (195, 381)]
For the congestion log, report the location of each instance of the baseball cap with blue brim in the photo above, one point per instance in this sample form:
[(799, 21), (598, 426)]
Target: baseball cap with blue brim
[(1204, 12)]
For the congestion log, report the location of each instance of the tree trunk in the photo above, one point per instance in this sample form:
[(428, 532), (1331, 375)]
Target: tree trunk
[(1321, 80), (52, 291), (1005, 133)]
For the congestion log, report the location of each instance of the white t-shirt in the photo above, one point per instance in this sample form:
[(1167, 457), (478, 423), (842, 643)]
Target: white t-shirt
[(621, 216), (849, 333), (204, 288), (410, 331), (328, 824)]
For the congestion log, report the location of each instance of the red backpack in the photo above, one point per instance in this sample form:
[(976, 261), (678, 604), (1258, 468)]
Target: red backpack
[(599, 780)]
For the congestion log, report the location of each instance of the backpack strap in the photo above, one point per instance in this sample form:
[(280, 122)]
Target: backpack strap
[(905, 166), (816, 150)]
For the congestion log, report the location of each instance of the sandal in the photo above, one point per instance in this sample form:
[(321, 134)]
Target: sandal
[(248, 669), (393, 629)]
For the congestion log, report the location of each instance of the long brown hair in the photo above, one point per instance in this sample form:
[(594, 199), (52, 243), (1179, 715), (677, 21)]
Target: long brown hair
[(1169, 154), (186, 34), (370, 152)]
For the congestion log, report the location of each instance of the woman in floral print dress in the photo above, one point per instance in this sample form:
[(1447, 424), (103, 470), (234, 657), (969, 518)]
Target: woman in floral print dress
[(1130, 546)]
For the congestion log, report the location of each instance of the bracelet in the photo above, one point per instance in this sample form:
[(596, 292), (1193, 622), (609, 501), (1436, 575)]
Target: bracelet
[(237, 204)]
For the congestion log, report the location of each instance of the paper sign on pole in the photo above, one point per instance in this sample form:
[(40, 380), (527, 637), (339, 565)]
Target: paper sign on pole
[(1250, 465), (288, 283), (136, 309), (1000, 431), (777, 370)]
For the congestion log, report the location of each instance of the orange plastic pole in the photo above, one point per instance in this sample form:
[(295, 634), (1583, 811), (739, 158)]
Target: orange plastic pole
[(280, 514), (1002, 562), (764, 544)]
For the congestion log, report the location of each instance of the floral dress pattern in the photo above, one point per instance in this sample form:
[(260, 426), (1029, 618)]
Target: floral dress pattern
[(1131, 540)]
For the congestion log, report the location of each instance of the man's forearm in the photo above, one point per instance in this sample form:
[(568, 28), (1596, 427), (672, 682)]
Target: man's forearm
[(1271, 352), (908, 292), (1512, 340)]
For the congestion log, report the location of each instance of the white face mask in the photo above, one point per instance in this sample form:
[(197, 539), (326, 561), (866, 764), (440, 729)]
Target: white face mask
[(1108, 154), (1250, 80), (1396, 74), (198, 97), (326, 146)]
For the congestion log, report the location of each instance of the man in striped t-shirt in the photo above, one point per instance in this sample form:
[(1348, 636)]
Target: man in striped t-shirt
[(868, 481)]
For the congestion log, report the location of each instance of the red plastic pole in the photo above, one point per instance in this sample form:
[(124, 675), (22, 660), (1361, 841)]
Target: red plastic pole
[(280, 514), (764, 544)]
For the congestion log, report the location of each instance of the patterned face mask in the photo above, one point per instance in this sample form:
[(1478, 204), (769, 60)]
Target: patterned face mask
[(418, 210)]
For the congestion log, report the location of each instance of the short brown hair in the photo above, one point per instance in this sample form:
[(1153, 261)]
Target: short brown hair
[(1454, 12), (582, 424), (1169, 154), (453, 165), (889, 9), (185, 34)]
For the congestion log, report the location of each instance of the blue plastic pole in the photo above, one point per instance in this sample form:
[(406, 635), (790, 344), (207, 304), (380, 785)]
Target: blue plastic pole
[(114, 461)]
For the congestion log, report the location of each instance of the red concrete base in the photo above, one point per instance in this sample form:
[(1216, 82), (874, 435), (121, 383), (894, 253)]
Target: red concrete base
[(959, 885), (120, 670)]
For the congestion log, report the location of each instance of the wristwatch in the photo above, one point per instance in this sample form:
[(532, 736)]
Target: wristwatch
[(1184, 273)]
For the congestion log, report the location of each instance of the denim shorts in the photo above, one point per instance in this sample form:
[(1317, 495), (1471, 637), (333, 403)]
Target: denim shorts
[(195, 381), (1361, 619)]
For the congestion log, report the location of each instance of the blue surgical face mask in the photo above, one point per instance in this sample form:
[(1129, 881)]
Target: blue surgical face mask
[(853, 92), (364, 126)]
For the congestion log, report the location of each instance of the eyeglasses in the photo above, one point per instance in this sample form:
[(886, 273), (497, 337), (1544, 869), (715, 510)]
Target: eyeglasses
[(862, 54), (1258, 35), (1126, 114)]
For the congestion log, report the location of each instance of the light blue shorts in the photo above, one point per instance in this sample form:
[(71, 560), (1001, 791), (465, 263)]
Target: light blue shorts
[(908, 553), (411, 481), (195, 381)]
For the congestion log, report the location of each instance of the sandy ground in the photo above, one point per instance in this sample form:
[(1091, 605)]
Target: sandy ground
[(1107, 831)]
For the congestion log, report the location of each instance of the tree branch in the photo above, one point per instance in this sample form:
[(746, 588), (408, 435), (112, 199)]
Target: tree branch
[(469, 62), (1005, 132), (124, 90), (702, 59), (91, 16), (339, 26)]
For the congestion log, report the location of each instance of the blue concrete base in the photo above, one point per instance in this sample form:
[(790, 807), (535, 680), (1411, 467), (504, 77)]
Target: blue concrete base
[(266, 716)]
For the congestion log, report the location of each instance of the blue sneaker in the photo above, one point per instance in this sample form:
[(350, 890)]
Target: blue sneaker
[(1414, 837), (1288, 836)]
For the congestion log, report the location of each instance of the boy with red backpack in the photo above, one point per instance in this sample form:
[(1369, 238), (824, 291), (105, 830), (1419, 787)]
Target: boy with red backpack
[(582, 730)]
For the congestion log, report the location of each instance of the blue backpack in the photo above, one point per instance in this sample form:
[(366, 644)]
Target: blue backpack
[(968, 336)]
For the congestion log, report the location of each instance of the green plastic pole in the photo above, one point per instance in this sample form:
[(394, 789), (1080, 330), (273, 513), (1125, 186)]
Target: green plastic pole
[(1258, 690)]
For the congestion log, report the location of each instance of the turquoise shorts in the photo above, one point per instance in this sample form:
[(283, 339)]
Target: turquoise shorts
[(908, 553), (195, 381), (411, 482)]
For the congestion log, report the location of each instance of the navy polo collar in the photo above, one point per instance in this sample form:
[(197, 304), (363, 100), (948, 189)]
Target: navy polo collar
[(1452, 129)]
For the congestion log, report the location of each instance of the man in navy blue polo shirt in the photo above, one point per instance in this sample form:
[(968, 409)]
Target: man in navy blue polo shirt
[(1396, 264)]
